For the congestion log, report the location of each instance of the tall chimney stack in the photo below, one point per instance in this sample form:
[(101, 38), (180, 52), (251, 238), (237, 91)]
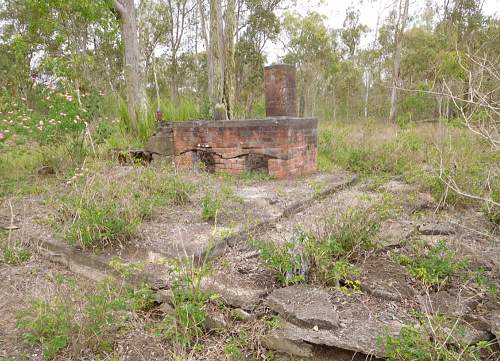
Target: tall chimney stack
[(280, 89)]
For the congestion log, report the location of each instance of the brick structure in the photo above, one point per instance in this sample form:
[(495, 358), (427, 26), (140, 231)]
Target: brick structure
[(282, 144), (281, 98)]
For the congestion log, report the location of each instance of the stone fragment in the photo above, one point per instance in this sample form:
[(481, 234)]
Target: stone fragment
[(234, 293), (385, 279), (435, 229), (358, 336), (392, 233), (445, 303), (240, 314), (495, 326), (215, 321), (46, 170), (220, 112), (161, 142), (472, 336), (304, 305), (166, 308), (277, 341), (164, 296)]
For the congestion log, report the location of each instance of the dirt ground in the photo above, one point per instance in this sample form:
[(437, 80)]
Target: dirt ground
[(272, 211)]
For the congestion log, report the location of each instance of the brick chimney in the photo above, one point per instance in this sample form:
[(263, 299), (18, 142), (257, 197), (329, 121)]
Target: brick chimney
[(280, 89)]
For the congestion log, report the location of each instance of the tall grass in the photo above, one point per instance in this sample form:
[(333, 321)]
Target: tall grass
[(186, 109), (417, 154)]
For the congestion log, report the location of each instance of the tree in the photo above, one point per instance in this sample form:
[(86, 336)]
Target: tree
[(229, 68), (216, 56), (399, 29), (352, 31), (136, 91), (178, 11)]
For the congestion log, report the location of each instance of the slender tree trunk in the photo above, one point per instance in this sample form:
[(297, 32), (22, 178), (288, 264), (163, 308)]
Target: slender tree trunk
[(173, 79), (229, 69), (398, 39), (136, 92), (367, 90), (216, 54)]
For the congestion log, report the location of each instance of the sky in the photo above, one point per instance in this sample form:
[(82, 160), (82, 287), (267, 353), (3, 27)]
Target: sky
[(335, 11)]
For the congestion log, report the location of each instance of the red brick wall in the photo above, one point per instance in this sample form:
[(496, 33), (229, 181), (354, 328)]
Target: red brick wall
[(288, 144)]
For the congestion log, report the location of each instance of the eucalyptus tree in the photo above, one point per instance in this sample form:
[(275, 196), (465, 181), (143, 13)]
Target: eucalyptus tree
[(401, 9), (134, 77)]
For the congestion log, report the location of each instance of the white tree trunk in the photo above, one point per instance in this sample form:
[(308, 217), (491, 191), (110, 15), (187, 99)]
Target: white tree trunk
[(229, 68), (136, 92), (216, 56), (398, 39)]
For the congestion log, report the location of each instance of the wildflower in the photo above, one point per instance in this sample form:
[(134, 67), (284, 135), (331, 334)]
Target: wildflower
[(2, 136)]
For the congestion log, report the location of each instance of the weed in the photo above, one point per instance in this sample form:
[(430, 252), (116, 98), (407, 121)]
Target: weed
[(288, 264), (232, 351), (126, 269), (325, 258), (210, 207), (272, 323), (14, 254), (315, 185), (432, 338), (56, 325), (50, 325), (435, 266), (102, 211), (186, 324)]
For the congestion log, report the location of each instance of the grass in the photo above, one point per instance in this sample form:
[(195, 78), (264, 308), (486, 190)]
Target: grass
[(213, 203), (325, 258), (210, 207), (416, 155), (58, 324), (12, 252), (99, 211), (286, 261), (433, 266), (436, 338), (185, 325), (14, 255)]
